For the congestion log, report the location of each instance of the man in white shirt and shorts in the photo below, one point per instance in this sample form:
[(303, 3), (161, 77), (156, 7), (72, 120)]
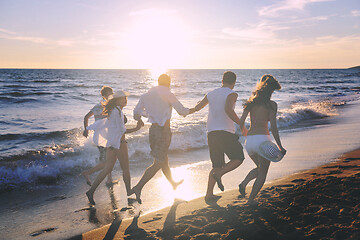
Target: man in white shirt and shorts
[(157, 105), (221, 132)]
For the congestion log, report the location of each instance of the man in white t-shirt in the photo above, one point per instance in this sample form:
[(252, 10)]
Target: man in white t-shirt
[(221, 132), (157, 105), (97, 112)]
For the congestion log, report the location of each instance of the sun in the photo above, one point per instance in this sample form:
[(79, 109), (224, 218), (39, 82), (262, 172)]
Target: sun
[(158, 42)]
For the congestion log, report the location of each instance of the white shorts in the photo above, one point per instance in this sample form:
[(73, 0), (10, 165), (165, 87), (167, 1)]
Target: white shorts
[(253, 142)]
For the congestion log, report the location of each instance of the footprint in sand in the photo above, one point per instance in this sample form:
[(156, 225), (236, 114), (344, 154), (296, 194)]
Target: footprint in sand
[(37, 233), (351, 159), (84, 209), (298, 180), (285, 185), (62, 197), (154, 219)]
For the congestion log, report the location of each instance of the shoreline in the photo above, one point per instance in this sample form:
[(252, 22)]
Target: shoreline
[(298, 205)]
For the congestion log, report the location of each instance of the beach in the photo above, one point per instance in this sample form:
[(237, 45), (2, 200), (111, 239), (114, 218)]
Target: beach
[(321, 203), (42, 195)]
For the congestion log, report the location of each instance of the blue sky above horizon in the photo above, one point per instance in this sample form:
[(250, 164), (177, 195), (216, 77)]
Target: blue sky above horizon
[(179, 34)]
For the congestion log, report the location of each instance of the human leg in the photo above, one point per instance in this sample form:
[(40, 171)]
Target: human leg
[(250, 176), (109, 164), (167, 172), (228, 143), (211, 184), (123, 157), (260, 179), (148, 174), (90, 171)]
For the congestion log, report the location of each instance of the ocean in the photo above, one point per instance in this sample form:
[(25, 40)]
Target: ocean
[(43, 152), (41, 114)]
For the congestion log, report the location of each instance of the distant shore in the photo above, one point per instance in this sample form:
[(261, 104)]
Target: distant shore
[(319, 203)]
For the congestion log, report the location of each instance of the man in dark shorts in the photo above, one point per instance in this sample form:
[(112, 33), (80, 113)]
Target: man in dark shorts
[(157, 106), (221, 132)]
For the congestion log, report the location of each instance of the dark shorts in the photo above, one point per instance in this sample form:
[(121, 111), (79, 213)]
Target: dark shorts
[(160, 139), (102, 156), (221, 143)]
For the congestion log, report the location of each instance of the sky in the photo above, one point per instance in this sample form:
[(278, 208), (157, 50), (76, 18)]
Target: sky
[(186, 34)]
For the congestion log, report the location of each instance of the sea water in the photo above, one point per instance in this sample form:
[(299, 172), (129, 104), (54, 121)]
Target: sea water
[(42, 150), (42, 111)]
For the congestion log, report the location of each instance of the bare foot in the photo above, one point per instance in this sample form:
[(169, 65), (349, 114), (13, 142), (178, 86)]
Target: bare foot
[(218, 181), (130, 192), (86, 176), (90, 196), (242, 190), (176, 184), (137, 194), (252, 203), (211, 199)]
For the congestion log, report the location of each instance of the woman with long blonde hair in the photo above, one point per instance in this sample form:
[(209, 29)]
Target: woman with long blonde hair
[(262, 110)]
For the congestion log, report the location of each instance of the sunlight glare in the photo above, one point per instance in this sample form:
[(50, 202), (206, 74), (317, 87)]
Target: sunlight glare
[(185, 191), (157, 42)]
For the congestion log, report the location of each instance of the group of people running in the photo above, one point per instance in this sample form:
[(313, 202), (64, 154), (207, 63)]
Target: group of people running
[(157, 104)]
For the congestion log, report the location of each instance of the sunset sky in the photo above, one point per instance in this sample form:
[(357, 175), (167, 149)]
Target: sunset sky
[(227, 34)]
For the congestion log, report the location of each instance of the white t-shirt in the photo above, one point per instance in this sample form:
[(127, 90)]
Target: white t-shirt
[(157, 105), (97, 111), (217, 118)]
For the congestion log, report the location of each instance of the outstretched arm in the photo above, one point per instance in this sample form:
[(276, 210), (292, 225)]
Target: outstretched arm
[(273, 126), (200, 105), (229, 107), (140, 124), (243, 117), (86, 123)]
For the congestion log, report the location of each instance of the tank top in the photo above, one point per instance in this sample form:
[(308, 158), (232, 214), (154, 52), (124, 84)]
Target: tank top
[(217, 118)]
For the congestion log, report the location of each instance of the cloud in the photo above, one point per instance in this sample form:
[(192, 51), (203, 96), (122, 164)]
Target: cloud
[(152, 11), (261, 31), (287, 5), (267, 30), (355, 13), (6, 31)]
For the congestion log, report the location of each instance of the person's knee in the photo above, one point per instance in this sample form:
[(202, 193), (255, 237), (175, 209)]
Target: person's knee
[(157, 164)]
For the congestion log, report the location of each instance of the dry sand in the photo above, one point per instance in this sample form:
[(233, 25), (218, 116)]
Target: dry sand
[(322, 203)]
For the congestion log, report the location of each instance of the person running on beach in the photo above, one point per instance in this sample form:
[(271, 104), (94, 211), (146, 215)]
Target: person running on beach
[(157, 105), (262, 110), (112, 136), (221, 132), (97, 111)]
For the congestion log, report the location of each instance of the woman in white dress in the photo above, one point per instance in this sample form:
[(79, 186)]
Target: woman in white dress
[(262, 110), (111, 134)]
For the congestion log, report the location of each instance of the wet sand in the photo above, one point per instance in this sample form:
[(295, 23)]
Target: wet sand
[(321, 203)]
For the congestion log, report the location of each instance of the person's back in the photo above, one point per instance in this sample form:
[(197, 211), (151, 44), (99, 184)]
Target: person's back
[(259, 118), (217, 118)]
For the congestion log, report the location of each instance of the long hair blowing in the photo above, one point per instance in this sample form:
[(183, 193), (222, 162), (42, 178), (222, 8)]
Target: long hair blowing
[(109, 106), (262, 94)]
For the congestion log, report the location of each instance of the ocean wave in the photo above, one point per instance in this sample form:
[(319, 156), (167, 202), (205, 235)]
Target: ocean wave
[(305, 111), (55, 135)]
